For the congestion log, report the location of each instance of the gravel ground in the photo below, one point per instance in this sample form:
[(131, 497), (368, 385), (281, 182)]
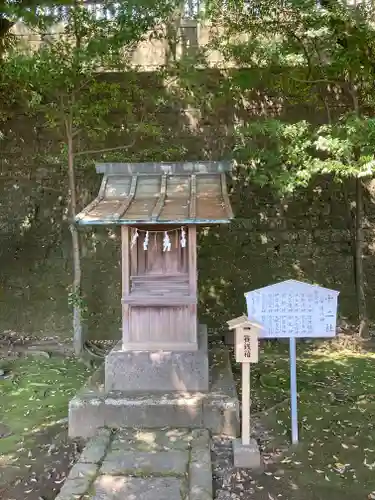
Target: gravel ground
[(231, 483)]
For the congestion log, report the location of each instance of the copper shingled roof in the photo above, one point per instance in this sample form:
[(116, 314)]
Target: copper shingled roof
[(160, 193)]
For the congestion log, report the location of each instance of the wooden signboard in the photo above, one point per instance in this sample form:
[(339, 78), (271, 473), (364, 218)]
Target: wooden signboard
[(293, 309), (246, 349)]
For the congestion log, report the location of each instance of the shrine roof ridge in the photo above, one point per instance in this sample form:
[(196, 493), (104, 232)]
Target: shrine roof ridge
[(160, 193), (184, 168)]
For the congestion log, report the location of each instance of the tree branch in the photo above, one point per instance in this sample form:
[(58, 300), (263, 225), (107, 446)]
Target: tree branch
[(314, 82), (328, 110), (76, 132), (305, 51), (48, 188), (105, 150), (354, 95)]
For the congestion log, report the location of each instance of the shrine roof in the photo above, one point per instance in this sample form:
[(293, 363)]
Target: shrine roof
[(160, 193)]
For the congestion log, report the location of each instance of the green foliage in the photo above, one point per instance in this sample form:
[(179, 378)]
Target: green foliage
[(60, 78), (275, 153), (75, 299), (287, 156), (65, 80), (324, 57), (324, 54), (347, 146)]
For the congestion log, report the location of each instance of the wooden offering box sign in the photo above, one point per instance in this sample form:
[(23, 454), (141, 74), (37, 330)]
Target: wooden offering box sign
[(246, 339), (246, 345), (159, 206)]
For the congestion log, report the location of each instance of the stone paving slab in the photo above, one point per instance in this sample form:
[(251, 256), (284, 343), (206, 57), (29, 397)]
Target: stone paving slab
[(75, 489), (121, 488), (200, 469), (149, 440), (142, 464), (96, 447)]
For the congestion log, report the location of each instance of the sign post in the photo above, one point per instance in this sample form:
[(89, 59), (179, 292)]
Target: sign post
[(293, 309), (245, 451), (293, 388)]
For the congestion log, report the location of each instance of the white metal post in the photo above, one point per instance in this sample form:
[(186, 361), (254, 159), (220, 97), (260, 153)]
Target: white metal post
[(293, 389)]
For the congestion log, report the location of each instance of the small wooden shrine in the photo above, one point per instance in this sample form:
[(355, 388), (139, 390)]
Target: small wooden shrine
[(159, 206)]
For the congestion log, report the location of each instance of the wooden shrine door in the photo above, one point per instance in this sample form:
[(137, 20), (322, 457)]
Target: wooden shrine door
[(159, 292)]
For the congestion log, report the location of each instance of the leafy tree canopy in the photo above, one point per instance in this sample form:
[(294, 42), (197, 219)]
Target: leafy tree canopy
[(322, 56)]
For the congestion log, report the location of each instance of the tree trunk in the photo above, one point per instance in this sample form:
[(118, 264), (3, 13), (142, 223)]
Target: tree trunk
[(359, 236), (172, 33), (76, 288), (350, 222), (359, 273)]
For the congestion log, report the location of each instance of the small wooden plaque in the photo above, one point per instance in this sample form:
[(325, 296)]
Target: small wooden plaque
[(247, 349)]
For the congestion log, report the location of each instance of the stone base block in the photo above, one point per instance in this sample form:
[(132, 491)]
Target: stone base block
[(158, 371), (246, 456), (116, 410), (217, 410), (222, 408), (221, 414)]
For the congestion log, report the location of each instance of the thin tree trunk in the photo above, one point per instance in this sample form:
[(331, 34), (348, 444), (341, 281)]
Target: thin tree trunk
[(359, 237), (350, 221), (359, 273), (172, 33), (76, 288)]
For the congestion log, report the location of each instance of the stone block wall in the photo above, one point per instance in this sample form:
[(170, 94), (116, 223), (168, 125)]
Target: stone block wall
[(305, 238)]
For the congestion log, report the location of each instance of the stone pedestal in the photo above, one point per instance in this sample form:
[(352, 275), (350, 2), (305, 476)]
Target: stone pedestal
[(246, 456), (158, 371), (186, 389)]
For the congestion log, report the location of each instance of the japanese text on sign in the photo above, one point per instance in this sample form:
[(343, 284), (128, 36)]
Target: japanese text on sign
[(294, 309), (246, 346)]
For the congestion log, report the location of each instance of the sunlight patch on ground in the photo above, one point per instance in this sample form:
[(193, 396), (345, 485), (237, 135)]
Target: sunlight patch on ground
[(36, 396)]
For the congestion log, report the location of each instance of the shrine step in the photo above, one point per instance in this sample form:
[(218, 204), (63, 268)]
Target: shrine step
[(115, 410), (217, 410)]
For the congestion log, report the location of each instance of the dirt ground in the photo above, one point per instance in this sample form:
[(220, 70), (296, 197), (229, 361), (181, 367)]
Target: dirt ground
[(35, 452), (334, 460), (39, 472)]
